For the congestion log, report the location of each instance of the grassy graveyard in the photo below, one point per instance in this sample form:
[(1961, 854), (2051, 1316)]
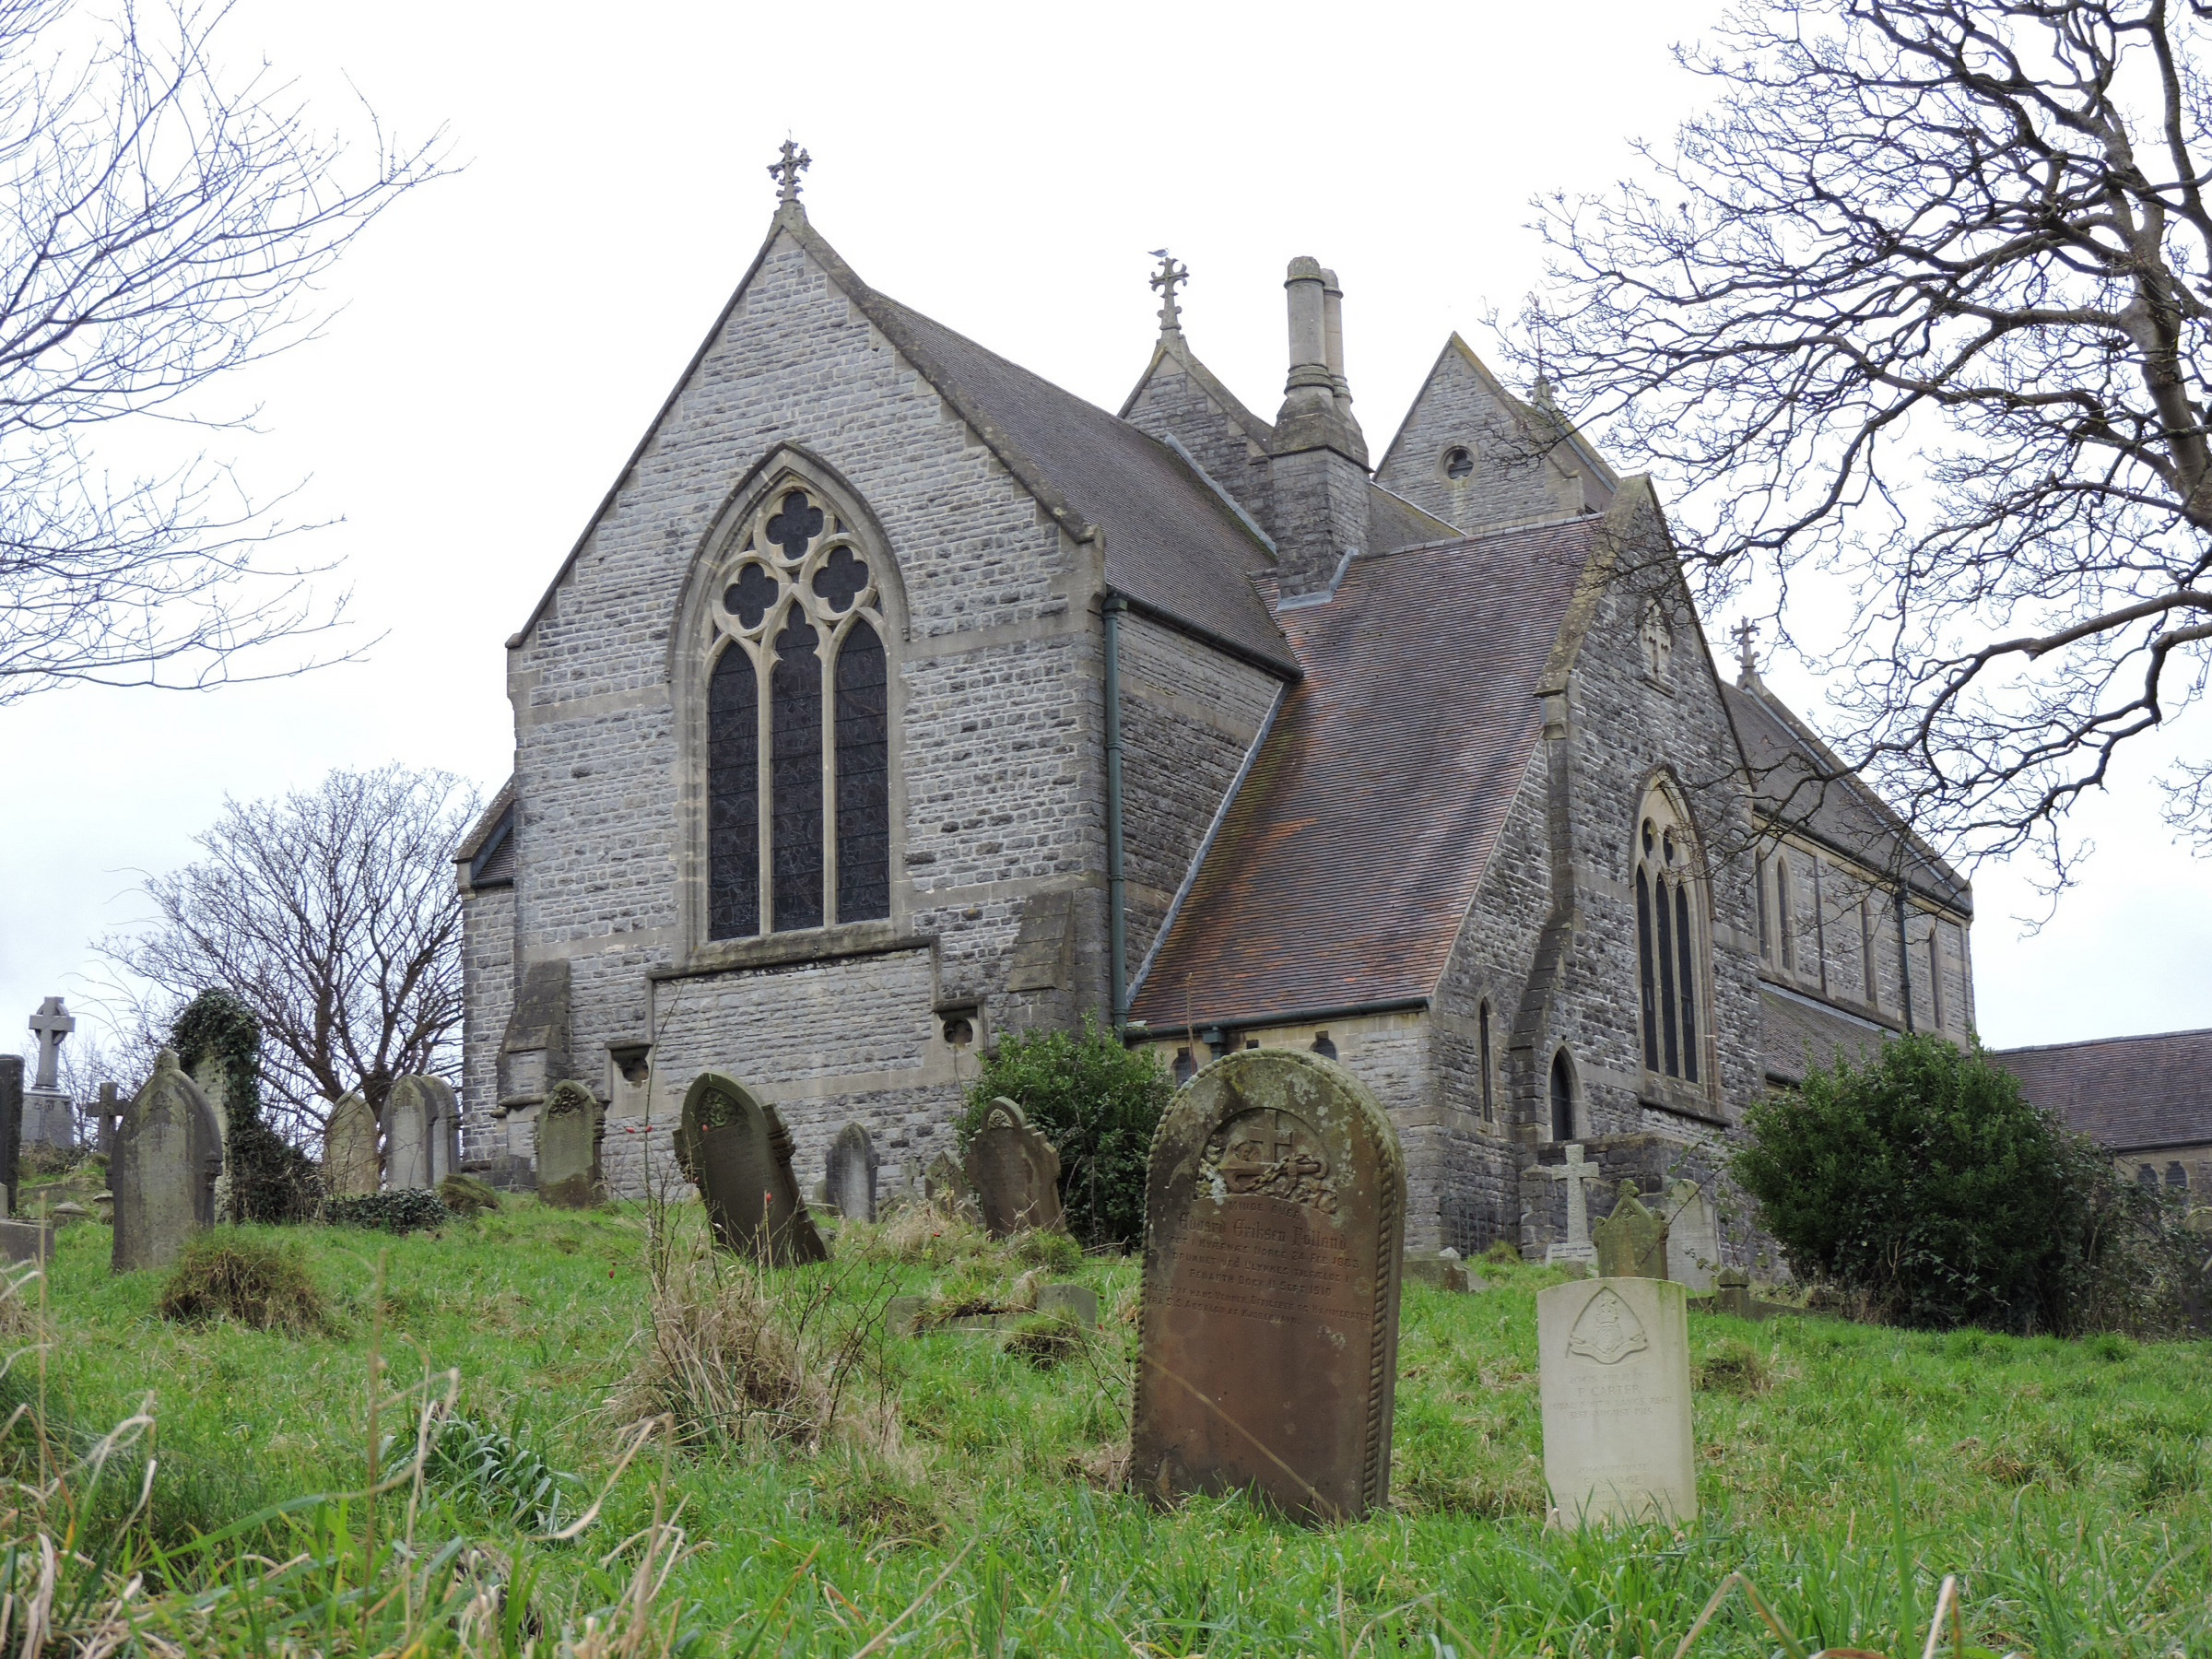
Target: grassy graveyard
[(821, 1486)]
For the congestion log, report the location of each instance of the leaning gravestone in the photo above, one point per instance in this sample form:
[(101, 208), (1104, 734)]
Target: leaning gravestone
[(350, 1166), (851, 1178), (167, 1154), (1613, 1361), (1274, 1232), (1631, 1242), (1015, 1172), (738, 1151), (944, 1184), (568, 1147)]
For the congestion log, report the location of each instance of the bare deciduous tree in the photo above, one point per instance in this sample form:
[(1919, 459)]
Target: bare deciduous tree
[(335, 915), (161, 224), (1925, 299)]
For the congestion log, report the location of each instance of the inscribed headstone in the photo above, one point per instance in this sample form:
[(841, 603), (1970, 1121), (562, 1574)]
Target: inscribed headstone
[(851, 1182), (1015, 1172), (1575, 1173), (167, 1155), (1613, 1358), (1693, 1236), (407, 1137), (567, 1148), (1631, 1242), (350, 1166), (738, 1151), (1274, 1234)]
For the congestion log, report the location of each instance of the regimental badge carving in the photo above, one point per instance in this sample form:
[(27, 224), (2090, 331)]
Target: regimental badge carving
[(1607, 1329), (1270, 1154)]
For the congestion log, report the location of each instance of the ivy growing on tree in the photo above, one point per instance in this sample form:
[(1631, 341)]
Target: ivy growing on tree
[(271, 1180)]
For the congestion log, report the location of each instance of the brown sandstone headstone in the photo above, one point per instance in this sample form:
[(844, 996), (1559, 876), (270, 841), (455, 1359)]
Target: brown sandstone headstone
[(1631, 1242), (350, 1166), (738, 1151), (1015, 1172), (167, 1154), (1273, 1236), (568, 1147)]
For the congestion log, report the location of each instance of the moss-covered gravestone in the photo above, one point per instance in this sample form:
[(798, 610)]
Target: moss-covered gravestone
[(167, 1154), (351, 1168), (1631, 1242), (738, 1150), (1274, 1232), (568, 1147), (1014, 1173)]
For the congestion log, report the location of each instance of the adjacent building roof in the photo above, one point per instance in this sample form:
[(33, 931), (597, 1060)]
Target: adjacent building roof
[(1342, 868), (1799, 781), (493, 819), (2129, 1093), (1803, 1034)]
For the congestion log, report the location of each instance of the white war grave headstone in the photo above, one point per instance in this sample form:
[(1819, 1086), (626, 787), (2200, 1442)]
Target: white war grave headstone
[(1613, 1362)]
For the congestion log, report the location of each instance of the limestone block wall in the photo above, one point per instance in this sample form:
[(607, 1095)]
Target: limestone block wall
[(488, 993), (1174, 402), (1514, 480)]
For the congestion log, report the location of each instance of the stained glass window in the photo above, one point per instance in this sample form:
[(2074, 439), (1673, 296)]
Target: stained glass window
[(732, 796), (794, 775), (1669, 974), (863, 801)]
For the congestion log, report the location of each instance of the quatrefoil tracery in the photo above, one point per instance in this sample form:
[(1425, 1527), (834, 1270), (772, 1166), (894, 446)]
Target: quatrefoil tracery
[(795, 557)]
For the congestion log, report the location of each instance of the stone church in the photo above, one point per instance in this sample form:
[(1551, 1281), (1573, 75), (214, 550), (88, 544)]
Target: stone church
[(895, 699)]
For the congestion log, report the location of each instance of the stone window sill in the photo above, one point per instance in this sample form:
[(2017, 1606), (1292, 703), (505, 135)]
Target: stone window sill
[(1683, 1099), (809, 945)]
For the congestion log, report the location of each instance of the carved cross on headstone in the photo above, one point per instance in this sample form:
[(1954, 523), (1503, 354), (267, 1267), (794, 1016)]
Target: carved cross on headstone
[(786, 170), (1167, 279), (1575, 1173), (1747, 654), (50, 1024)]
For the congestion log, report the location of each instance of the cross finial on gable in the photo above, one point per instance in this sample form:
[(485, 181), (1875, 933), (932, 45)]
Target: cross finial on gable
[(1167, 279), (786, 172), (1746, 652)]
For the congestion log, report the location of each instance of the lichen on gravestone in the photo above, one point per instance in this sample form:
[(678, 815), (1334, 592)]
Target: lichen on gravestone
[(1631, 1242)]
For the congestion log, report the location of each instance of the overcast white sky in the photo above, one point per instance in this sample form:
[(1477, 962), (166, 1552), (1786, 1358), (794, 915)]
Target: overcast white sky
[(508, 333)]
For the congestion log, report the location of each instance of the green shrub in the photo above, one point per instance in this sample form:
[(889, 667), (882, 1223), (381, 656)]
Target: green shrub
[(402, 1212), (271, 1180), (231, 1275), (1098, 1102), (1925, 1184)]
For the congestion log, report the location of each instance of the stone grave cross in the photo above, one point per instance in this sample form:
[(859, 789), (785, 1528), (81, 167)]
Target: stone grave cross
[(1575, 1173), (50, 1024)]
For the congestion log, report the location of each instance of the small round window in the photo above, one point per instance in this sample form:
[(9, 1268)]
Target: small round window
[(1459, 463)]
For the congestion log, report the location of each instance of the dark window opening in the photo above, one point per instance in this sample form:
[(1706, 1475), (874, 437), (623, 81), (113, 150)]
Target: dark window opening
[(1766, 927), (864, 796), (2147, 1176), (958, 1031), (734, 796), (1785, 913), (1668, 1051), (1489, 1104), (2177, 1177), (1562, 1099), (1650, 979), (1689, 1001), (1252, 1043), (1324, 1047), (796, 768), (1185, 1068), (1459, 464)]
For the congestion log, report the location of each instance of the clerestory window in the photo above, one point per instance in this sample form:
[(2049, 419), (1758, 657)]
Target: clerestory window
[(1669, 957), (798, 729)]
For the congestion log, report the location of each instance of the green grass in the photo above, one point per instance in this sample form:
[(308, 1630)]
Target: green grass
[(1845, 1469)]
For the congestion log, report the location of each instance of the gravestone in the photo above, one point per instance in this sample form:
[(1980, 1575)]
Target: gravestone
[(1014, 1173), (1274, 1235), (1441, 1268), (1693, 1236), (11, 1123), (49, 1115), (1732, 1294), (110, 1112), (1613, 1362), (1575, 1173), (350, 1166), (567, 1148), (407, 1138), (167, 1155), (944, 1184), (1631, 1242), (26, 1240), (738, 1151), (851, 1178)]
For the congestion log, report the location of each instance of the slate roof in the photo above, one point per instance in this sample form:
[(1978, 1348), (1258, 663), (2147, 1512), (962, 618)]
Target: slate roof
[(487, 821), (2128, 1093), (1393, 521), (1793, 780), (1342, 868), (1802, 1035)]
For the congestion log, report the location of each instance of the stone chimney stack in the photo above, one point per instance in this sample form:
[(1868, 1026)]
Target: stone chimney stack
[(1319, 467)]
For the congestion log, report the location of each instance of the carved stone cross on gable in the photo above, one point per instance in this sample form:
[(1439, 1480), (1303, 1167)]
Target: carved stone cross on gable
[(1167, 279), (51, 1023), (1747, 655), (1575, 1173), (786, 170)]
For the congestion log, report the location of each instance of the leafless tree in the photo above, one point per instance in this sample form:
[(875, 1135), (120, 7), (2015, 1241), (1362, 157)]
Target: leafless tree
[(335, 915), (1924, 299), (161, 224)]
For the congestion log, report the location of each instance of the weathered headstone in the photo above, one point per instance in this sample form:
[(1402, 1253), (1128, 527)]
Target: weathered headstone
[(851, 1182), (944, 1184), (167, 1157), (567, 1148), (1441, 1268), (1631, 1242), (26, 1240), (1274, 1234), (350, 1166), (1574, 1172), (1613, 1361), (1015, 1172), (1732, 1294), (110, 1113), (49, 1115), (407, 1138), (1693, 1236), (11, 1123), (738, 1151)]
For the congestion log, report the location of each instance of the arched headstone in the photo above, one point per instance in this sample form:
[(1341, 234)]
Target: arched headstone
[(167, 1155), (738, 1151), (568, 1147), (407, 1136), (852, 1176), (1014, 1173), (350, 1166), (1274, 1240)]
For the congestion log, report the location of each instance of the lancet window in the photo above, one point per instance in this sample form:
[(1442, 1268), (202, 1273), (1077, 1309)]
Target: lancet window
[(1670, 955), (798, 727)]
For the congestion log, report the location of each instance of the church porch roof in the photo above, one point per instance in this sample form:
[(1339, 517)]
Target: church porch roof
[(2129, 1094)]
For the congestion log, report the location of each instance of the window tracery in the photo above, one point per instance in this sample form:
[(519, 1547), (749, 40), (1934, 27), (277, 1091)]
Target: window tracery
[(1669, 960), (797, 727)]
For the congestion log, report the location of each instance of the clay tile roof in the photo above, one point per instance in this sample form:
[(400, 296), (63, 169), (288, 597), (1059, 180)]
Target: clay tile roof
[(2128, 1093), (1342, 869)]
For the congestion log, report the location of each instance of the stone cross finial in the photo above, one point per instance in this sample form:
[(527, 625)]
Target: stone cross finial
[(1747, 654), (1167, 279), (50, 1023), (786, 172), (1575, 1173)]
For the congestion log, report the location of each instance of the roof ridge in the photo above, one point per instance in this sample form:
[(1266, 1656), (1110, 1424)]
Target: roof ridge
[(1255, 429), (2046, 1048)]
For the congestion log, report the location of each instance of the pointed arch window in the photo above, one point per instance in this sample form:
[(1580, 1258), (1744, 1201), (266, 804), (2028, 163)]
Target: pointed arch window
[(1562, 1098), (798, 727), (1490, 1100), (1670, 957)]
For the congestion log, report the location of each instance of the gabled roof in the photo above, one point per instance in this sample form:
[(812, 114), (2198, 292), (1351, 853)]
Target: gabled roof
[(1176, 349), (2128, 1093), (1344, 865), (1542, 422), (1800, 782), (487, 821), (1172, 546)]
